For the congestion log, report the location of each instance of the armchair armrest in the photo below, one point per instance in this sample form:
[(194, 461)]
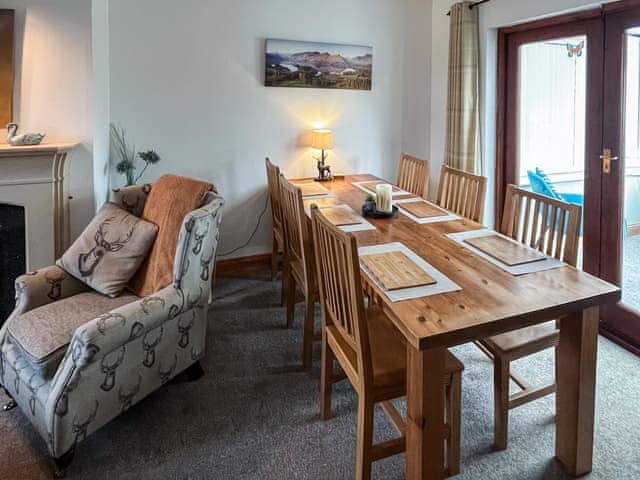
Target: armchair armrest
[(44, 286), (110, 331)]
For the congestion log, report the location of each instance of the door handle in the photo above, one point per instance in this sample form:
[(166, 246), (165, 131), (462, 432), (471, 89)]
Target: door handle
[(607, 158)]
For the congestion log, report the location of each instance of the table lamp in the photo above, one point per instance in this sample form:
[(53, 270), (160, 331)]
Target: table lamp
[(322, 140)]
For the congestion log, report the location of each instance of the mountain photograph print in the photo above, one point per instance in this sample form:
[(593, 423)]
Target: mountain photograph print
[(290, 63)]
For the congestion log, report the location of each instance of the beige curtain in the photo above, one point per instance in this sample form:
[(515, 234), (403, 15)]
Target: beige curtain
[(462, 136)]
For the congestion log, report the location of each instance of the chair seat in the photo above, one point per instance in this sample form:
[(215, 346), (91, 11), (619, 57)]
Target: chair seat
[(531, 339), (388, 352), (43, 334)]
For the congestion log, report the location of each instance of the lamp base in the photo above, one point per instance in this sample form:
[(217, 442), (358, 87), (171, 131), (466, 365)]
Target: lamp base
[(323, 179), (324, 173)]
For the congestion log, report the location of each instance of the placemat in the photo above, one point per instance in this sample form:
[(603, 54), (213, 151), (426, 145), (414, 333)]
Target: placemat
[(445, 215), (323, 201), (312, 188), (394, 270), (341, 216), (369, 187), (545, 264), (506, 250), (356, 227), (422, 209), (443, 283)]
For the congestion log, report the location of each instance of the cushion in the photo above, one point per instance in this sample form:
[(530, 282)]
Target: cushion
[(170, 200), (110, 250), (548, 183), (43, 334)]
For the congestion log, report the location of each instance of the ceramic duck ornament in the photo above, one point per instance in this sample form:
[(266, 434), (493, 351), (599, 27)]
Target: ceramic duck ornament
[(24, 139)]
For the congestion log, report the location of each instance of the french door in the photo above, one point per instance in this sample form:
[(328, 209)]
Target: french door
[(620, 239), (569, 127)]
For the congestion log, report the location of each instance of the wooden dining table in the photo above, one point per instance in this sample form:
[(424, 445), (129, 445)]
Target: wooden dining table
[(491, 301)]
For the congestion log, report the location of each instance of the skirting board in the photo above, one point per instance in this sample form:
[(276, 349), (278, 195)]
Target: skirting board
[(619, 339), (243, 266)]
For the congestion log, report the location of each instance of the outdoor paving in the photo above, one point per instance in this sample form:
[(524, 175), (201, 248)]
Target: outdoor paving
[(631, 272)]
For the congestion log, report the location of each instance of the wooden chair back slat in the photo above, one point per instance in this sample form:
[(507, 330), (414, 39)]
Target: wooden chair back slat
[(273, 181), (561, 228), (341, 294), (297, 234), (413, 175), (544, 223), (462, 193), (527, 214)]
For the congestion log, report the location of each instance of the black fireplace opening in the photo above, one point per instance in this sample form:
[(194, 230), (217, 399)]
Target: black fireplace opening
[(13, 255)]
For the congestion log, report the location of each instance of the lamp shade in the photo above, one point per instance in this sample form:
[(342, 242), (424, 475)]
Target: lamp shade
[(322, 139)]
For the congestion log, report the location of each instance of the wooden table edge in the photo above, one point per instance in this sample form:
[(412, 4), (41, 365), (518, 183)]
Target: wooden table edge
[(506, 324)]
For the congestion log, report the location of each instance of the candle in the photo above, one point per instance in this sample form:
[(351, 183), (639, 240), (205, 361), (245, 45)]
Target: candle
[(383, 197)]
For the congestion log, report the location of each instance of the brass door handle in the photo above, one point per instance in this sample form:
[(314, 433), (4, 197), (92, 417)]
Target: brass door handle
[(607, 158)]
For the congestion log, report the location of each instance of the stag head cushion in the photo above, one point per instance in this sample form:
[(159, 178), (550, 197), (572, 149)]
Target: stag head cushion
[(110, 250), (171, 198)]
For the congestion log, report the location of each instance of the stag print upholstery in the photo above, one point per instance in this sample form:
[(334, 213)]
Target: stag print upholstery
[(28, 387), (43, 334), (118, 358), (132, 199), (110, 250), (44, 286)]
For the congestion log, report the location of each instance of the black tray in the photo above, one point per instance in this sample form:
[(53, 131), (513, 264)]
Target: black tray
[(373, 213)]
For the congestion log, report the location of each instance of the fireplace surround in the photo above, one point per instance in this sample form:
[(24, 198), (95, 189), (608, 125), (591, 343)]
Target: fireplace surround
[(33, 212)]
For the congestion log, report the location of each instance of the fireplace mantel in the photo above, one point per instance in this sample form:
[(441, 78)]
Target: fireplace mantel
[(33, 177), (5, 148)]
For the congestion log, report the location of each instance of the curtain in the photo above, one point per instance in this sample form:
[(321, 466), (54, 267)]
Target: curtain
[(462, 135)]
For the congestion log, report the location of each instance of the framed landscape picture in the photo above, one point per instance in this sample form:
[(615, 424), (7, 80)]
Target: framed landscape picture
[(6, 67), (290, 63)]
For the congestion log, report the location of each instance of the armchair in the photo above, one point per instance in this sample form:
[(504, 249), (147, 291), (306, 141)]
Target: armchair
[(122, 350)]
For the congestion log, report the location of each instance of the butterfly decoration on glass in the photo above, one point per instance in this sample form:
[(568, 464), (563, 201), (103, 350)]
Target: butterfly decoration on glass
[(575, 50)]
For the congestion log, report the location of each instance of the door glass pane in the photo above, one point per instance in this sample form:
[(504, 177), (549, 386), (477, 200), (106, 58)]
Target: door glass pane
[(552, 118), (631, 165)]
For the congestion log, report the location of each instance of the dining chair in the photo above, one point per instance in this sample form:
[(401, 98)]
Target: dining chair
[(277, 249), (370, 350), (413, 175), (552, 227), (300, 266), (462, 193)]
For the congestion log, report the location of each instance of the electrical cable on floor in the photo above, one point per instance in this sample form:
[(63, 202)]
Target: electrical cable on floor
[(255, 230)]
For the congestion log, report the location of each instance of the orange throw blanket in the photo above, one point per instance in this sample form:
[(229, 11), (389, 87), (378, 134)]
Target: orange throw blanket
[(171, 198)]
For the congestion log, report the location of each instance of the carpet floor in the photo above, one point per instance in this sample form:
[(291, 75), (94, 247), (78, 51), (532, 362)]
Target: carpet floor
[(255, 414)]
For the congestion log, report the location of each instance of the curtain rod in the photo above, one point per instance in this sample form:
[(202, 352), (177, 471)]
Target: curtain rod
[(472, 5)]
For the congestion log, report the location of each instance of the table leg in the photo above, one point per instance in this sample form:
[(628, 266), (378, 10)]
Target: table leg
[(575, 398), (425, 413)]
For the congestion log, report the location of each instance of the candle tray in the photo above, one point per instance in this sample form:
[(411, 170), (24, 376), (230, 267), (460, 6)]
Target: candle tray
[(369, 210)]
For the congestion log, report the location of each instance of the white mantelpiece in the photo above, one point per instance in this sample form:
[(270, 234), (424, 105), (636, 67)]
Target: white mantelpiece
[(33, 177)]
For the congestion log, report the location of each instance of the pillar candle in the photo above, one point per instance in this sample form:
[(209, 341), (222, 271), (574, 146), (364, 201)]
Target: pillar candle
[(383, 197)]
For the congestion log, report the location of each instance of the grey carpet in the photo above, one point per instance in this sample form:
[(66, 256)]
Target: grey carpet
[(255, 415)]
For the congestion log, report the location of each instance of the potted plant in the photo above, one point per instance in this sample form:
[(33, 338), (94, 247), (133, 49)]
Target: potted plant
[(125, 157), (370, 202)]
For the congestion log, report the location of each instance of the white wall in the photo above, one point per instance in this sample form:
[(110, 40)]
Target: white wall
[(416, 107), (493, 15), (186, 78), (100, 113), (53, 86)]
